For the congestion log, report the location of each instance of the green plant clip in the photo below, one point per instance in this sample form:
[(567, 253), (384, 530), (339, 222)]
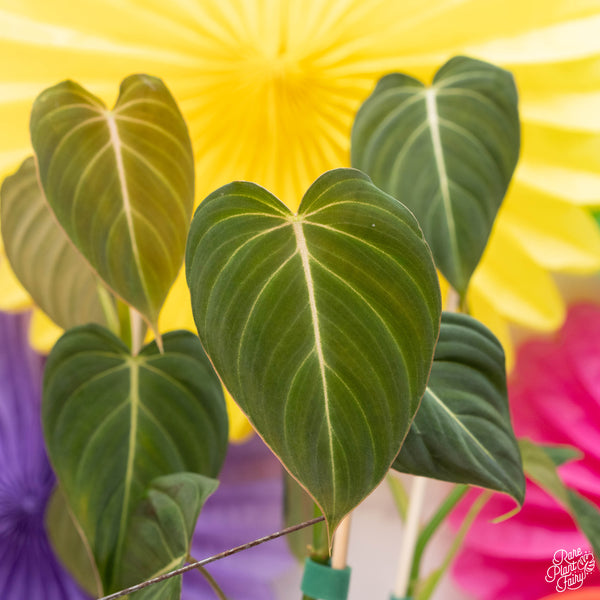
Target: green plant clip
[(392, 597), (323, 582)]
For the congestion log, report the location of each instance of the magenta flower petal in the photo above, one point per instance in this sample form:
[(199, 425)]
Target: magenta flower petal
[(28, 568), (247, 506), (554, 395)]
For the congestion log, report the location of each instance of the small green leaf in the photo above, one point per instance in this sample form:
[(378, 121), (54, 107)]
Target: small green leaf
[(540, 467), (447, 151), (587, 517), (114, 422), (120, 182), (540, 464), (54, 273), (322, 325), (463, 432), (300, 507), (561, 453), (69, 545), (161, 530)]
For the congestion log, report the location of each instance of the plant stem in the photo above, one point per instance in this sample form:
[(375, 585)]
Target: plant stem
[(398, 493), (211, 580), (206, 561), (341, 541), (475, 509), (108, 308), (137, 331), (409, 537), (443, 511), (452, 301)]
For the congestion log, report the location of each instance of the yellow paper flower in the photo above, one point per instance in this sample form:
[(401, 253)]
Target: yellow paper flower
[(270, 89)]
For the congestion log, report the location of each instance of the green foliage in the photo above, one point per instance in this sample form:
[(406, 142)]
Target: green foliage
[(69, 544), (54, 273), (114, 423), (120, 182), (462, 431), (322, 325), (161, 529), (540, 463), (447, 151)]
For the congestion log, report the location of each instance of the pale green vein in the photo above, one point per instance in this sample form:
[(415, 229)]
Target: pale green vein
[(438, 152), (376, 249), (164, 132), (207, 259), (327, 191), (383, 126), (463, 78), (122, 177), (57, 149), (254, 304), (161, 177), (459, 423), (305, 256), (368, 304), (404, 153), (131, 452)]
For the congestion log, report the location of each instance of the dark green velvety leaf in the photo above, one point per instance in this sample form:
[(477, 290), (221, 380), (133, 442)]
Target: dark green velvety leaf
[(161, 530), (541, 467), (447, 151), (322, 325), (121, 182), (462, 432), (114, 423), (55, 274)]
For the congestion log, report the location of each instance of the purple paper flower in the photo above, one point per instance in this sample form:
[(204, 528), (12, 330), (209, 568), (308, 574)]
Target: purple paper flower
[(28, 567), (246, 506)]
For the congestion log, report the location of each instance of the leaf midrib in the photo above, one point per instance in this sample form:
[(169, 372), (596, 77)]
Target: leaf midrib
[(305, 258), (438, 152), (115, 141), (131, 452)]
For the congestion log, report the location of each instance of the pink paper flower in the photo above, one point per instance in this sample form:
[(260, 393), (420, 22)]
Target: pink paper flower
[(555, 399)]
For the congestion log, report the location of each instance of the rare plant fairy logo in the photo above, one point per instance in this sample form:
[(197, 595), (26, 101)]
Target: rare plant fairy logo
[(569, 569)]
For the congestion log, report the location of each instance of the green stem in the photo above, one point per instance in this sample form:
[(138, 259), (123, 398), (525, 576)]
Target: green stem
[(475, 509), (409, 535), (443, 511), (107, 303), (398, 493), (211, 580)]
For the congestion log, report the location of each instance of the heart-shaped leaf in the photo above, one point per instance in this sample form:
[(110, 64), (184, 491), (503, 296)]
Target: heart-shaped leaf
[(114, 422), (322, 325), (462, 431), (161, 530), (447, 151), (54, 273), (120, 182)]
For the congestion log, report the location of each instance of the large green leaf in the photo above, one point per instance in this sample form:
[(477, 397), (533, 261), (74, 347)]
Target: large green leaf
[(447, 151), (161, 530), (540, 463), (114, 422), (120, 182), (322, 325), (54, 273), (462, 431)]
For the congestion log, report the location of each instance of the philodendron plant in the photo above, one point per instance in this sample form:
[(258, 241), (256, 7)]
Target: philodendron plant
[(325, 325)]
